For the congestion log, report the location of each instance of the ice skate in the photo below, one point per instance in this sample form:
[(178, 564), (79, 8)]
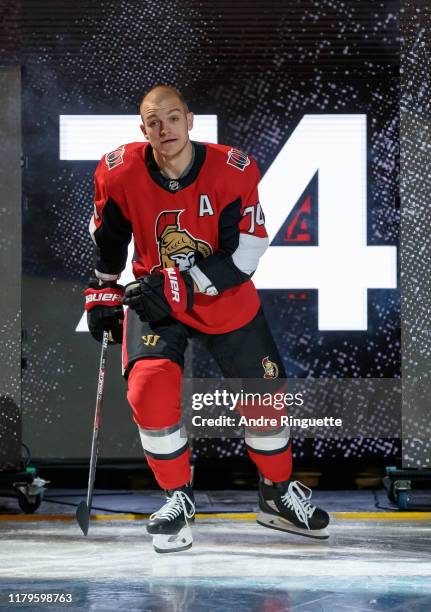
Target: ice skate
[(169, 526), (286, 506)]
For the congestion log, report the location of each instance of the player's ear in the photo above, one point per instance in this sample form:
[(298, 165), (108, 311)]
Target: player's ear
[(143, 130), (190, 118)]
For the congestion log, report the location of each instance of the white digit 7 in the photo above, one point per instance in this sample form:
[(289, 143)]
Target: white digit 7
[(256, 216)]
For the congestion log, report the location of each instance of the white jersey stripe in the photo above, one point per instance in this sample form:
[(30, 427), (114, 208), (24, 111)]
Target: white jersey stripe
[(249, 251)]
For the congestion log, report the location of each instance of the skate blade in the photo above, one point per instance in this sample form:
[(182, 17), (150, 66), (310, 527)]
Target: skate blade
[(164, 543), (280, 524)]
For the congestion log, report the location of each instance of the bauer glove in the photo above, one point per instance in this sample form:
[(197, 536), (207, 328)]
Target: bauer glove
[(160, 294), (103, 304)]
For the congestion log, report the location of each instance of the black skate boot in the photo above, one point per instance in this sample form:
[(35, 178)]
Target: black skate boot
[(286, 506), (169, 526)]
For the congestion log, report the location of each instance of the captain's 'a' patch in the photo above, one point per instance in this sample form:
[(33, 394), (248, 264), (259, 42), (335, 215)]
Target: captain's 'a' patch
[(205, 207)]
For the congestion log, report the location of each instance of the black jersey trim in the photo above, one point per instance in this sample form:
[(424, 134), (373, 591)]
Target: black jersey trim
[(167, 456), (219, 267), (112, 238), (181, 183)]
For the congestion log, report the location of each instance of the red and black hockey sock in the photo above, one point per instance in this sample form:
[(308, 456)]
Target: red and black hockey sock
[(276, 465), (154, 393)]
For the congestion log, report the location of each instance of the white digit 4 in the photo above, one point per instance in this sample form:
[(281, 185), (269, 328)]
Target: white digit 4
[(342, 267)]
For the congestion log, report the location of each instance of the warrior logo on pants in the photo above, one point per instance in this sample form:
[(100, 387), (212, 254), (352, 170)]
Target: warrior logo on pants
[(177, 247), (150, 340)]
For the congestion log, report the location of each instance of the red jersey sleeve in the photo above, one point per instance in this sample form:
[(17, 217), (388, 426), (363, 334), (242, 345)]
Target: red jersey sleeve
[(110, 229), (242, 235), (253, 219)]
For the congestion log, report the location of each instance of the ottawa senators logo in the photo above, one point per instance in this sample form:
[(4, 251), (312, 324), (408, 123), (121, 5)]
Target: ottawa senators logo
[(270, 368), (177, 247)]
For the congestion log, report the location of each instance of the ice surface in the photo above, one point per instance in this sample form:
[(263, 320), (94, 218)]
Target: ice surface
[(233, 565)]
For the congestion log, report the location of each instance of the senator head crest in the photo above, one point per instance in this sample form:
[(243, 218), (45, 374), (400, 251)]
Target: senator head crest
[(177, 247)]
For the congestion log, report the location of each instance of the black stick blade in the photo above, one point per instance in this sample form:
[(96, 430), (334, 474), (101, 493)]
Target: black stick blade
[(83, 517)]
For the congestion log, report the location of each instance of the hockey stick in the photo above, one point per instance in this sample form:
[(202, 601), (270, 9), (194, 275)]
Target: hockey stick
[(84, 508)]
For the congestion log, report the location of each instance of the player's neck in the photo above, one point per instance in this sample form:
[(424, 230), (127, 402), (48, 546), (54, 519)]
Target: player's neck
[(173, 167)]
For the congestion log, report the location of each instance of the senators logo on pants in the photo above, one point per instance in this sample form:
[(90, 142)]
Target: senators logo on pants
[(270, 368), (177, 247)]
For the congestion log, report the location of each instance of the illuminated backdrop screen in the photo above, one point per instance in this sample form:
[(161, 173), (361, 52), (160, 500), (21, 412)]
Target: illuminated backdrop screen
[(311, 91)]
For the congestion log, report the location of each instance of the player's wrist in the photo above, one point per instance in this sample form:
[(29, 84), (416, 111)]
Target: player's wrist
[(97, 283), (201, 281), (104, 277)]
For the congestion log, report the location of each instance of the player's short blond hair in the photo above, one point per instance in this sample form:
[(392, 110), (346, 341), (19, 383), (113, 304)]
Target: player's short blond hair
[(169, 89)]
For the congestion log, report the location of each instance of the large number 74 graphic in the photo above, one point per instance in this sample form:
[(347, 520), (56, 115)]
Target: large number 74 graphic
[(342, 267)]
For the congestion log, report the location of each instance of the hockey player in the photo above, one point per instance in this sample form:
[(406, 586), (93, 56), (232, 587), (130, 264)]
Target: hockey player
[(198, 229)]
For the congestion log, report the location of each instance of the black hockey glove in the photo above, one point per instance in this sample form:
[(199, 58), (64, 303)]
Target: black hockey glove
[(103, 304), (160, 294)]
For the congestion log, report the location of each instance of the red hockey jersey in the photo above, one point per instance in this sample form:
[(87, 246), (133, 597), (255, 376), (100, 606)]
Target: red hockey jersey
[(208, 222)]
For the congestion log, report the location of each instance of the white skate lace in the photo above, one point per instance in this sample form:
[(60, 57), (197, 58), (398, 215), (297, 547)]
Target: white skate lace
[(174, 506), (296, 498)]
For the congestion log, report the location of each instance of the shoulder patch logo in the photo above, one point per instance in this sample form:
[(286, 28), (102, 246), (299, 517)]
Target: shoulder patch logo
[(115, 158), (238, 159)]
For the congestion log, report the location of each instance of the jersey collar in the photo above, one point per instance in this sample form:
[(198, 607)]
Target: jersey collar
[(175, 185)]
